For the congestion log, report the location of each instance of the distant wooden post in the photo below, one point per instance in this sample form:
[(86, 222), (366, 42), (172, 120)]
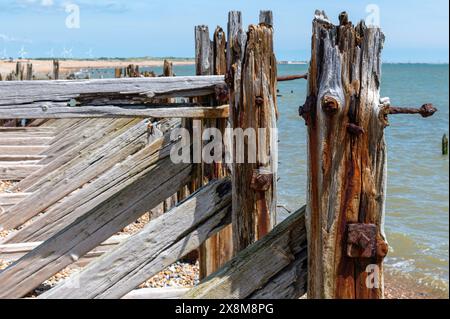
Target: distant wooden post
[(210, 60), (252, 74), (118, 73), (55, 70), (444, 145), (346, 161), (29, 75)]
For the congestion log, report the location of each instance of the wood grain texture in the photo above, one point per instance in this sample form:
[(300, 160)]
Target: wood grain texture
[(278, 258), (76, 173), (61, 110), (160, 243), (142, 192), (346, 170), (28, 92), (254, 107)]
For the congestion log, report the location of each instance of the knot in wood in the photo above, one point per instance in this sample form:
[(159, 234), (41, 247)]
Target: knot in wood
[(261, 181), (427, 110), (355, 129), (222, 93), (330, 105), (259, 101)]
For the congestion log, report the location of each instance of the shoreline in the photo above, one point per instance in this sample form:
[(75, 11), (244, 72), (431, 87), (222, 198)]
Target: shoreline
[(42, 67)]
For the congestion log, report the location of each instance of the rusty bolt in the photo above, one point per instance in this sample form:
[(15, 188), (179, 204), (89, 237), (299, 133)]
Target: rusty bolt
[(259, 101), (261, 182), (361, 240), (382, 248), (222, 93)]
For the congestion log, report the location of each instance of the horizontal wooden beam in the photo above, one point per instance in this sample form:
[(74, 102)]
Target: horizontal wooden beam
[(280, 257), (28, 92), (25, 141), (22, 150), (156, 293), (14, 171), (159, 244), (61, 110), (13, 252)]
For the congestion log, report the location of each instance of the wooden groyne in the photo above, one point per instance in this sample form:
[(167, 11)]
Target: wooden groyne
[(96, 156)]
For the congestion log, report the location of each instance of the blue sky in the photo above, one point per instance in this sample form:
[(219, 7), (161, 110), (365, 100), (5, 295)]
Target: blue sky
[(416, 30)]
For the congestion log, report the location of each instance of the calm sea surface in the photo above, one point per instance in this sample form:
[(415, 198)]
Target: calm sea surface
[(417, 221)]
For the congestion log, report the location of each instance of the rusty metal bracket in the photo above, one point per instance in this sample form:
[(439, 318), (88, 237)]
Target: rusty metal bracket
[(261, 180), (361, 240)]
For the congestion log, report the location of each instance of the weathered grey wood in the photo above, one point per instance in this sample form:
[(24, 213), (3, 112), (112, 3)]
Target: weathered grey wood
[(255, 267), (14, 171), (30, 130), (12, 198), (61, 110), (156, 293), (69, 177), (25, 141), (21, 158), (27, 92), (22, 150), (266, 17), (254, 108), (73, 206), (161, 242), (346, 157), (13, 252), (143, 191), (69, 149)]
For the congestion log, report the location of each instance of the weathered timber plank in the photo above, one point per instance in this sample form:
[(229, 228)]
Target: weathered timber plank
[(13, 252), (21, 158), (65, 153), (22, 150), (60, 110), (255, 267), (12, 198), (23, 92), (73, 206), (69, 177), (161, 242), (14, 171), (347, 167), (25, 141), (143, 192), (156, 293)]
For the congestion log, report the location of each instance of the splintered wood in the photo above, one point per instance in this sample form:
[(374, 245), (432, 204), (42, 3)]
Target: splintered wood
[(347, 161)]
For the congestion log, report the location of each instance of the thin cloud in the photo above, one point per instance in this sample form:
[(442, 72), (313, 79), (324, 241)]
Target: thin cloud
[(7, 38)]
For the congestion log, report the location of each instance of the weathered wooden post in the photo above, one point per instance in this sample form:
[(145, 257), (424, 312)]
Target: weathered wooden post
[(346, 161), (444, 145), (118, 73), (210, 60), (55, 70), (252, 76), (29, 75)]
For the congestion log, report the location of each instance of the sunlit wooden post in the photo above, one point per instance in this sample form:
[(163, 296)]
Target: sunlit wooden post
[(252, 76), (346, 161)]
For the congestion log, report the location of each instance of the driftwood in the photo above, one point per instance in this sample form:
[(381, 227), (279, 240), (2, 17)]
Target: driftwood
[(162, 242), (253, 106), (273, 267), (346, 160), (14, 171)]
